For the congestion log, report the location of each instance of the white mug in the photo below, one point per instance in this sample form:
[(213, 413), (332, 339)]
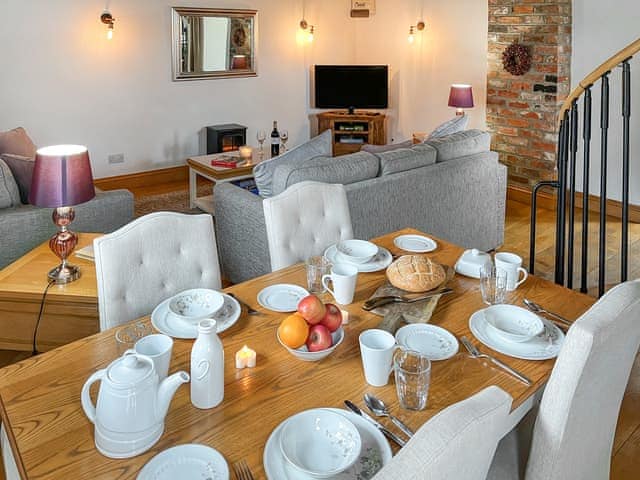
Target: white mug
[(376, 349), (512, 264), (158, 347), (343, 277)]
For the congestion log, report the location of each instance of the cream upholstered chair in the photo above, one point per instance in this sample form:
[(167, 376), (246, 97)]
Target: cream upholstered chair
[(304, 220), (151, 259), (456, 444), (575, 426), (10, 467)]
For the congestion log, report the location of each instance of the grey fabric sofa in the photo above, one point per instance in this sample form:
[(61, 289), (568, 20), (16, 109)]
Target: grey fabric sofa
[(24, 227), (452, 187)]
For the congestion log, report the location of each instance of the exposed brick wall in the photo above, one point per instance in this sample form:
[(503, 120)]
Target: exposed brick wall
[(522, 110)]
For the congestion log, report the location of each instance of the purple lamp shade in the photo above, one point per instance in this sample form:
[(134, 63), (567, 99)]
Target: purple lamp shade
[(61, 177), (461, 96)]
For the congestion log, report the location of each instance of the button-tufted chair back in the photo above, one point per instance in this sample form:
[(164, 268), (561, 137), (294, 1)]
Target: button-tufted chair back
[(304, 220), (151, 259)]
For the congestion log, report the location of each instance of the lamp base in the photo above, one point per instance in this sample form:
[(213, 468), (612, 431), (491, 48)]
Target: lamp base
[(64, 273)]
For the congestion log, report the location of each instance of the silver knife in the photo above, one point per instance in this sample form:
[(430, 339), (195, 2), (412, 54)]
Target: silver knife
[(355, 409), (380, 301)]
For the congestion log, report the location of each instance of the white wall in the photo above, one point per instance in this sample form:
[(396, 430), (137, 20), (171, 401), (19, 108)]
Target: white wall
[(601, 29), (67, 83)]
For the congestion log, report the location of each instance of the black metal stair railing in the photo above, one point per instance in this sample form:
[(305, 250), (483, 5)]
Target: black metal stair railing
[(567, 162)]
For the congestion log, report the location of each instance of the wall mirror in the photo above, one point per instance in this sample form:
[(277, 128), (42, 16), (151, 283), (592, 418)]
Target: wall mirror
[(213, 43)]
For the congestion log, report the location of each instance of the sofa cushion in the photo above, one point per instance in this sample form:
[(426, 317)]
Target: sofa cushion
[(461, 144), (9, 194), (22, 170), (403, 159), (386, 148), (17, 141), (345, 169), (263, 172), (456, 124)]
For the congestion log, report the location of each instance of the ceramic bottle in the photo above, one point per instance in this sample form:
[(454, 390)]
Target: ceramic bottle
[(207, 367)]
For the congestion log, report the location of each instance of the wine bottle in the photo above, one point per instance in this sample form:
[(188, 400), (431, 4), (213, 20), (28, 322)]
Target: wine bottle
[(275, 140)]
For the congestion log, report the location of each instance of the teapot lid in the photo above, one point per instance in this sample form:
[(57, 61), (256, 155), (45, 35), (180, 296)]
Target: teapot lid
[(475, 257), (130, 369)]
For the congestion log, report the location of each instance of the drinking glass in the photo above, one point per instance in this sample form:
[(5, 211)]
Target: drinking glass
[(493, 284), (128, 335), (261, 136), (317, 267), (413, 375), (284, 136)]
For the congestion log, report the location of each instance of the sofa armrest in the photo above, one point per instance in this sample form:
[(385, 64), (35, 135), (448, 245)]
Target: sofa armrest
[(240, 232)]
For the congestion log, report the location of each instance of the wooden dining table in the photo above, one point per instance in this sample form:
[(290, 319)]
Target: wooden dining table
[(52, 438)]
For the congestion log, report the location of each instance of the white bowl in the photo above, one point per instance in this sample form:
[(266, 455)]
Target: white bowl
[(196, 304), (513, 323), (320, 443), (357, 251), (304, 354)]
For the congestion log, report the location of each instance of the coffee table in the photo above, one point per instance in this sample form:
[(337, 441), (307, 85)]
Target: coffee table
[(70, 311), (201, 166)]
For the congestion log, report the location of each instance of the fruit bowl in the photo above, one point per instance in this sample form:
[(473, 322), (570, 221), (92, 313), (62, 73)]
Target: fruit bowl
[(196, 304), (304, 354), (320, 443)]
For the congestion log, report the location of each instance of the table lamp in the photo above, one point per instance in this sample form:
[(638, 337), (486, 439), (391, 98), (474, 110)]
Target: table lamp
[(62, 178), (460, 96)]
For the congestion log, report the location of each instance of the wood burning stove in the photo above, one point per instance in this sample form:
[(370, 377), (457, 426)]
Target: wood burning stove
[(225, 138)]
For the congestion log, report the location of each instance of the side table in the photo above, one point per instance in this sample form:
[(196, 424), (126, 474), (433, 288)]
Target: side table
[(70, 311), (201, 166)]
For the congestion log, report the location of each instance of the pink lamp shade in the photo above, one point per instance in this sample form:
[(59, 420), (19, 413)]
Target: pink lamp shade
[(61, 177), (461, 96)]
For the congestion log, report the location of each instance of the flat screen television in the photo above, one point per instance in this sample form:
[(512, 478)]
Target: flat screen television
[(351, 86)]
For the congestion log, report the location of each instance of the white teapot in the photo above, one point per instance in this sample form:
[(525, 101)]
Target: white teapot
[(132, 404)]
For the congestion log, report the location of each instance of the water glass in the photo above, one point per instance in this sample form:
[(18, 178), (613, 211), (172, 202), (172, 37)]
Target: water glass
[(493, 284), (317, 267), (128, 335), (413, 375)]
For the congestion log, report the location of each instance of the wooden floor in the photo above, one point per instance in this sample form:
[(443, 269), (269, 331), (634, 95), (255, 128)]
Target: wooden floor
[(626, 450)]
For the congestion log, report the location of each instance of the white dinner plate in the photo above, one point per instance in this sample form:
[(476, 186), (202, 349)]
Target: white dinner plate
[(375, 453), (186, 462), (543, 347), (283, 297), (434, 342), (415, 243), (381, 260), (166, 322)]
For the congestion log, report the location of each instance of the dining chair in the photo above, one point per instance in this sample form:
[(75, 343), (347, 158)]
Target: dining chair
[(151, 259), (457, 444), (9, 461), (575, 425), (304, 220)]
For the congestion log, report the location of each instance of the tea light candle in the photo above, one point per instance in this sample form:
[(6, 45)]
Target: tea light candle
[(245, 357), (345, 316), (245, 152)]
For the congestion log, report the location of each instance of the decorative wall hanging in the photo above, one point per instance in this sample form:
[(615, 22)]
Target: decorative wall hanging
[(516, 59)]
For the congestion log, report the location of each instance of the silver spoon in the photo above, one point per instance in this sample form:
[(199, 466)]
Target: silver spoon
[(379, 408), (535, 308)]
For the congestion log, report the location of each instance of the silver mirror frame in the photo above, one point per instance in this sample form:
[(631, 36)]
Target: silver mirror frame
[(177, 12)]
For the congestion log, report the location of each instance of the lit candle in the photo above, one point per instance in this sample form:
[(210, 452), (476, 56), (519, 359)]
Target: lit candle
[(245, 152), (245, 357), (345, 317)]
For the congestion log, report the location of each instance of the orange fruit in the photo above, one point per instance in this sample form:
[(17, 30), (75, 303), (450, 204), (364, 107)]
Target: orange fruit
[(293, 331)]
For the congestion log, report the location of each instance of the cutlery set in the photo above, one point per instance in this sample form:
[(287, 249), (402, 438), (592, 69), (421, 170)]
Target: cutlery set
[(378, 408)]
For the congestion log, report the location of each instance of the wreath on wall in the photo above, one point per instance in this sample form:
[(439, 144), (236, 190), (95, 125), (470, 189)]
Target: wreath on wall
[(516, 59)]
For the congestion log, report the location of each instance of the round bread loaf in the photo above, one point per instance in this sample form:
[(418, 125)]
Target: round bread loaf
[(415, 273)]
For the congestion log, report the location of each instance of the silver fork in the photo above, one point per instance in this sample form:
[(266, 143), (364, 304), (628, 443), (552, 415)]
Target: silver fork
[(242, 470), (250, 311), (475, 353)]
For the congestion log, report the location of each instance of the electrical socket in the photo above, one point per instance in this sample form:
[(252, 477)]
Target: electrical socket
[(116, 158)]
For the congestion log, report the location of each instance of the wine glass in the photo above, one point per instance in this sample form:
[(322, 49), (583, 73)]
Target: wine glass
[(261, 136), (284, 136)]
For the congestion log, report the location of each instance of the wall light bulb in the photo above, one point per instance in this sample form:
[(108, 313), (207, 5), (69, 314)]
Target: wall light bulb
[(310, 34), (110, 32), (411, 36)]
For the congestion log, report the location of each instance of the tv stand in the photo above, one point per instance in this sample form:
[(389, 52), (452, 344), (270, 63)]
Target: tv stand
[(351, 130)]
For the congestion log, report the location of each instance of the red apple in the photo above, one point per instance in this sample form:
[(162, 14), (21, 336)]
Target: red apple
[(319, 338), (312, 309), (332, 318)]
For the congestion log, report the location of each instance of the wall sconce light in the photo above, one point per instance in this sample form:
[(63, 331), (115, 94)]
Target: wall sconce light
[(108, 20), (304, 25), (412, 29)]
